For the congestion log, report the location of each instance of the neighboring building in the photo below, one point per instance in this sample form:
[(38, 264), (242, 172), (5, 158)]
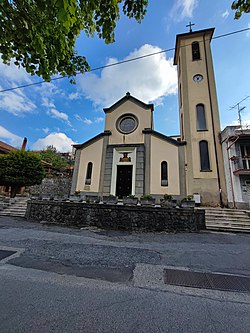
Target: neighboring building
[(236, 153), (5, 148), (130, 157)]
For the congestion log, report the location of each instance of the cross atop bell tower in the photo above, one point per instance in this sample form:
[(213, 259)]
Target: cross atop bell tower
[(190, 26)]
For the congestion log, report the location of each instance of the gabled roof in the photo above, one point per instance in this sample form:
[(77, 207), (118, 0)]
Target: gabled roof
[(91, 141), (164, 137), (192, 34), (132, 99), (5, 148)]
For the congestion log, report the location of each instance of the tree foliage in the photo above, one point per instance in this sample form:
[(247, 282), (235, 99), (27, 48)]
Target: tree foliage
[(40, 35), (20, 168), (51, 156), (241, 6)]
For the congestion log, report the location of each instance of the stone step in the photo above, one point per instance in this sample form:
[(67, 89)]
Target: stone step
[(228, 228), (228, 223), (16, 208), (12, 213), (218, 213), (227, 218)]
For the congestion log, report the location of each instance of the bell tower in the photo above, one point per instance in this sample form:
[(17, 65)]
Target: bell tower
[(199, 117)]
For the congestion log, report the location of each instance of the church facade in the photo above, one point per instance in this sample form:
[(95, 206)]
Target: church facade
[(130, 157)]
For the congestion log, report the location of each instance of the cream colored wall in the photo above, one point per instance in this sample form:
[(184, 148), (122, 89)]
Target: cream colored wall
[(92, 153), (144, 119), (163, 151), (198, 93), (205, 183)]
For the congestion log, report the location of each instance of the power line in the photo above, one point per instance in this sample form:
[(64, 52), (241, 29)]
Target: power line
[(119, 62)]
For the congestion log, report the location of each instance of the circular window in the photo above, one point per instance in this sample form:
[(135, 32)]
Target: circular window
[(127, 124)]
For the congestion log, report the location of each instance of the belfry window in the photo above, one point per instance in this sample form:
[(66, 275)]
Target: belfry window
[(196, 51), (164, 173), (204, 156), (201, 118), (89, 173)]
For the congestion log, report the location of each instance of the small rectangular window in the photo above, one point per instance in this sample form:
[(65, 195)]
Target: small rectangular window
[(204, 156), (196, 51), (201, 118), (164, 173)]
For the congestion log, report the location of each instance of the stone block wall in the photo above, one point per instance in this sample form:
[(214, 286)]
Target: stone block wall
[(52, 186), (116, 217)]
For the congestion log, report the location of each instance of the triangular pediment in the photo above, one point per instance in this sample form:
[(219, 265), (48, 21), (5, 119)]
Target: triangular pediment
[(132, 99)]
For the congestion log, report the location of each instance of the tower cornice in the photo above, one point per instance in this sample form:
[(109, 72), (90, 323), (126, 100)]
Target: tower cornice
[(209, 32)]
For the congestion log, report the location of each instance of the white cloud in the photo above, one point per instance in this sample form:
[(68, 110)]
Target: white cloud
[(78, 117), (59, 140), (11, 138), (74, 96), (46, 130), (99, 120), (16, 102), (225, 14), (183, 8), (12, 73), (47, 103), (88, 121), (59, 115), (147, 79)]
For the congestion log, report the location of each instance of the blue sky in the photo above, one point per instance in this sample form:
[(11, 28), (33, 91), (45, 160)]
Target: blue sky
[(60, 113)]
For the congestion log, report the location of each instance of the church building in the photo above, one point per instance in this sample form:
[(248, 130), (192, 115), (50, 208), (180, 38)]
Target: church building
[(130, 157)]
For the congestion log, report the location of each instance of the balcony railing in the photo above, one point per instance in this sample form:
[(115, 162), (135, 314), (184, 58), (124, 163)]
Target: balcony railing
[(241, 165)]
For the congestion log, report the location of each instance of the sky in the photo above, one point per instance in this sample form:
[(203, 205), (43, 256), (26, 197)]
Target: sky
[(61, 114)]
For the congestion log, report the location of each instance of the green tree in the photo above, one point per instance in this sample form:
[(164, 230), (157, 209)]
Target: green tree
[(51, 156), (20, 168), (40, 35), (241, 6)]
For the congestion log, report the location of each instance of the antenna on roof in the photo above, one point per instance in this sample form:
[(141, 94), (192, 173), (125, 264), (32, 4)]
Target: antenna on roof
[(239, 110)]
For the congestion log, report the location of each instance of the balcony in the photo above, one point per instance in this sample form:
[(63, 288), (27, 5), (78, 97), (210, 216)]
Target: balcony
[(241, 166)]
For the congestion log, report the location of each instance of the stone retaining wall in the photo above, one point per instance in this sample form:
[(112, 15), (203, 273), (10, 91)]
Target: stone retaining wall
[(116, 217), (52, 186)]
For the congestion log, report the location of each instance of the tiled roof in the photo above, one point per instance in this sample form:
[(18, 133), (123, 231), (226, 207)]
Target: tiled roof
[(5, 148)]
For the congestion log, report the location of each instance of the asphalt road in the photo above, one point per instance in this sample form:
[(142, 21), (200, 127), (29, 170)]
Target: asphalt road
[(69, 280)]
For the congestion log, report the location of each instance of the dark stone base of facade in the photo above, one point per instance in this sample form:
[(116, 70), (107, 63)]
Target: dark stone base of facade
[(117, 217)]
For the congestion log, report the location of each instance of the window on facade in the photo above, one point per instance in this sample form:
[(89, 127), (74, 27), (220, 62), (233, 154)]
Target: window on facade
[(245, 154), (245, 151), (196, 51), (89, 173), (164, 173), (180, 92), (201, 118), (204, 156)]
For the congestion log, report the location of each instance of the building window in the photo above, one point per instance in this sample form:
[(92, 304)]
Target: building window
[(245, 154), (89, 173), (180, 92), (164, 173), (196, 51), (127, 123), (201, 118), (204, 156)]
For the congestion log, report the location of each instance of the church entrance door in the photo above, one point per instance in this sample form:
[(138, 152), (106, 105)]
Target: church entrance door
[(124, 180)]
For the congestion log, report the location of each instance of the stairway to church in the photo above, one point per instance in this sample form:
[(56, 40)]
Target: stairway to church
[(16, 207), (227, 219)]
